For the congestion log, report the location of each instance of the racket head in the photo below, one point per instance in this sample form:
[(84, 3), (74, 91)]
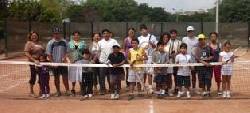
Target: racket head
[(239, 52)]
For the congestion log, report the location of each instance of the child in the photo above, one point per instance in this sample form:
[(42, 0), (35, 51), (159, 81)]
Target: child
[(184, 72), (44, 78), (161, 78), (116, 58), (204, 55), (136, 55), (227, 57), (87, 76)]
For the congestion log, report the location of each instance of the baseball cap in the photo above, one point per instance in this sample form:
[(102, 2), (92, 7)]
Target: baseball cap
[(56, 30), (201, 36), (116, 46), (190, 28)]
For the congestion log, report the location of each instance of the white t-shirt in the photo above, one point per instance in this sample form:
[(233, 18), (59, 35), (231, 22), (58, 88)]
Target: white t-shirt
[(183, 59), (226, 69), (105, 48), (144, 43), (191, 42)]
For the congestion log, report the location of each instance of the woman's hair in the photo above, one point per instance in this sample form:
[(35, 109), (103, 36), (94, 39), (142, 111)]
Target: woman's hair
[(227, 42), (94, 35), (30, 34), (76, 32), (162, 36), (215, 33)]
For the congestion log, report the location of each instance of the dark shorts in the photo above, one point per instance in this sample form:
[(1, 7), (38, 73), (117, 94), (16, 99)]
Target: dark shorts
[(60, 70), (161, 79), (183, 81), (204, 76)]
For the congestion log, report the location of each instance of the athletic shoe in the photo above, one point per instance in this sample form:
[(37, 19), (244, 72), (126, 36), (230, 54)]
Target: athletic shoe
[(112, 96), (179, 94), (204, 93), (117, 96), (43, 96), (224, 94), (32, 95), (219, 93), (170, 93), (47, 95), (90, 95), (188, 94), (228, 94)]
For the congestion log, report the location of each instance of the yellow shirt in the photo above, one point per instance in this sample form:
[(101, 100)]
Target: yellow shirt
[(135, 54)]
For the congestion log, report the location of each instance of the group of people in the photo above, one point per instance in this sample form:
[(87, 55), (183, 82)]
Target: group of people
[(145, 49)]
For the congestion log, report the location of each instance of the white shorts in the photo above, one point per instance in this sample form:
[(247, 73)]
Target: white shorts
[(135, 76), (149, 70), (227, 70)]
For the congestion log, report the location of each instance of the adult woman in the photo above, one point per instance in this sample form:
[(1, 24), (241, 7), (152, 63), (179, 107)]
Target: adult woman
[(96, 37), (33, 50), (75, 48), (216, 49), (127, 45)]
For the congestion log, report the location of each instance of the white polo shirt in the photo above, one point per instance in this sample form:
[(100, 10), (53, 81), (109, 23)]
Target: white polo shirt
[(105, 48), (183, 59), (191, 42)]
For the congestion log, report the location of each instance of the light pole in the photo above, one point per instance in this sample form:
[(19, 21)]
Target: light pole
[(217, 16)]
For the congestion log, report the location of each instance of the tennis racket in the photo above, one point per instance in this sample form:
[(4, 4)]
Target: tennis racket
[(238, 52)]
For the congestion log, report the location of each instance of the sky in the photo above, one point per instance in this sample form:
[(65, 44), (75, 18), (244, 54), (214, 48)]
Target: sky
[(180, 5)]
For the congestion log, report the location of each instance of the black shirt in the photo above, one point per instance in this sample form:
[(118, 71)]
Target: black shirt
[(116, 58)]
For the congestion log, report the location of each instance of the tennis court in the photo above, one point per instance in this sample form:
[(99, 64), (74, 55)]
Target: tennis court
[(14, 96)]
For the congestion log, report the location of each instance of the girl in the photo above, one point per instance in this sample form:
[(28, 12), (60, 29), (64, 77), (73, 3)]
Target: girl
[(227, 57), (44, 78)]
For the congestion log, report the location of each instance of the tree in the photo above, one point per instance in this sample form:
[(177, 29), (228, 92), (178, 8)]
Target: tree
[(235, 11)]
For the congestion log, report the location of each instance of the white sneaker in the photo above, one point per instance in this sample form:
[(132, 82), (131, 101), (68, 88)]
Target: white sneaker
[(43, 96), (188, 94), (86, 96), (228, 94), (117, 96), (204, 93), (224, 94), (47, 95), (112, 96), (179, 94), (163, 92), (90, 95)]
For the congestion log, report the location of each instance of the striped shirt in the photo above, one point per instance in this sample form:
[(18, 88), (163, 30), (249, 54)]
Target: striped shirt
[(57, 49)]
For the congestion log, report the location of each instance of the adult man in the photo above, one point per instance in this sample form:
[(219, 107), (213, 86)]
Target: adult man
[(56, 51), (105, 48), (191, 40)]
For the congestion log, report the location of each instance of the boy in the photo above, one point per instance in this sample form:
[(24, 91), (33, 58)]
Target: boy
[(148, 42), (183, 73), (87, 75), (117, 59), (203, 54), (136, 55), (161, 78)]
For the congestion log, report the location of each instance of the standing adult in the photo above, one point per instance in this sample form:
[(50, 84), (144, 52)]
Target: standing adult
[(126, 46), (191, 40), (173, 48), (57, 53), (105, 48), (148, 42), (33, 50), (75, 49), (215, 45), (96, 37)]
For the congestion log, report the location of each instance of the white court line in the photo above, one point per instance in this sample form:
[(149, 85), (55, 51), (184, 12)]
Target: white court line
[(151, 106)]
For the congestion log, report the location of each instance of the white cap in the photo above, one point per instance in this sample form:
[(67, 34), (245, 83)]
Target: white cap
[(190, 28)]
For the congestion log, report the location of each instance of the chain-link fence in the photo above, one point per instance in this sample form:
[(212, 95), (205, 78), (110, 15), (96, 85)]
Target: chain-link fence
[(238, 33)]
